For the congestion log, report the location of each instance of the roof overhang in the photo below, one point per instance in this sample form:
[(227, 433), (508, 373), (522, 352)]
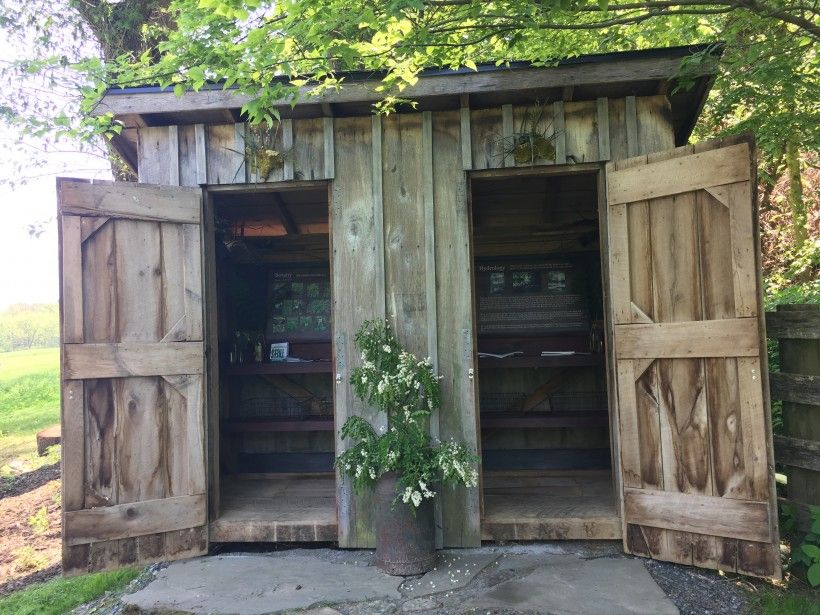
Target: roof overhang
[(612, 75)]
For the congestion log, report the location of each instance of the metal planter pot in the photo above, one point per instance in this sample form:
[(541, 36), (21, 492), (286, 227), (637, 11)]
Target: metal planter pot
[(405, 543)]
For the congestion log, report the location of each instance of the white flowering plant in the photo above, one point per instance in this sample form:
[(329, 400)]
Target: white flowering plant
[(407, 390)]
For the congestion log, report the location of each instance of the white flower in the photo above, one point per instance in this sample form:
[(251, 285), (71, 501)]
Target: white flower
[(386, 348), (364, 453), (405, 497), (416, 497), (372, 473), (358, 470), (364, 379)]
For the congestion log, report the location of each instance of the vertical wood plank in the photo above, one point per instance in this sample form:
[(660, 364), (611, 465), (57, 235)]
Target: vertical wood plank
[(631, 117), (430, 277), (653, 127), (378, 204), (225, 162), (581, 138), (507, 134), (308, 149), (201, 154), (466, 134), (72, 456), (357, 295), (617, 129), (619, 263), (152, 155), (287, 148), (71, 299), (173, 155), (461, 515), (239, 145), (560, 132), (187, 156), (192, 299), (330, 170), (485, 125), (602, 105), (744, 270)]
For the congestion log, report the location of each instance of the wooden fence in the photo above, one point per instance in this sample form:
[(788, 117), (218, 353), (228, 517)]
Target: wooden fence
[(797, 385)]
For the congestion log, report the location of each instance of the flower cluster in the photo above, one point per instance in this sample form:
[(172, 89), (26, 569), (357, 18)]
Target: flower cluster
[(406, 389)]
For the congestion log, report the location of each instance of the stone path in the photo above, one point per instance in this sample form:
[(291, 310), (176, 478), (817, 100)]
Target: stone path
[(545, 578)]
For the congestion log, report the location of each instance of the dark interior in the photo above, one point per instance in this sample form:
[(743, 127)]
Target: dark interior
[(273, 288), (539, 308)]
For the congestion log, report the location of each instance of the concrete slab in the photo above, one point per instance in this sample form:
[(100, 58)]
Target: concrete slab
[(453, 570), (567, 584), (256, 584)]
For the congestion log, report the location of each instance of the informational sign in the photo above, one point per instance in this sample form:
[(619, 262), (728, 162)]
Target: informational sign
[(529, 298), (299, 304)]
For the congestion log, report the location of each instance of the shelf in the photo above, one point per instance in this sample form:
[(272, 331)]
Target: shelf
[(535, 420), (573, 360), (310, 423), (262, 369)]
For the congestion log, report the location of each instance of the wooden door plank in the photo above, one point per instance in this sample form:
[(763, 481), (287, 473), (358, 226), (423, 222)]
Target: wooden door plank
[(83, 361), (700, 514), (71, 262), (730, 337), (137, 202), (134, 519), (679, 175), (461, 516)]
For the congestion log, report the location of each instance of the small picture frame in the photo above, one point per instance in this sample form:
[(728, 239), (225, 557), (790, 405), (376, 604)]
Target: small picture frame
[(279, 351)]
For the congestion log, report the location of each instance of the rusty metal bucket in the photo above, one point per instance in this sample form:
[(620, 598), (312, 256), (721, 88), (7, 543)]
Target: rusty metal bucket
[(405, 543)]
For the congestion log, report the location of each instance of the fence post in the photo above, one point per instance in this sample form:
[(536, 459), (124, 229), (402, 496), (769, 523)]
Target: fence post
[(797, 327)]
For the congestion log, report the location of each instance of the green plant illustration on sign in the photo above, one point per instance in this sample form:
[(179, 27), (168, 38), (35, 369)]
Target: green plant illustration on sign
[(407, 390)]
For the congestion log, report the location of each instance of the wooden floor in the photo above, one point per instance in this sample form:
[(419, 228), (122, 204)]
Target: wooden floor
[(281, 509), (535, 505), (549, 506)]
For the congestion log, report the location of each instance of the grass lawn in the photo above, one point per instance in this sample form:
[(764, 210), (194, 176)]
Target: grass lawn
[(29, 400), (61, 595)]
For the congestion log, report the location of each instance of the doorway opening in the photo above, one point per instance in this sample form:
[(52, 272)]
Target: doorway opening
[(542, 388), (275, 399)]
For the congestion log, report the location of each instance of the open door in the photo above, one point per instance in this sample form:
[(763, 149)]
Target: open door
[(694, 426), (133, 461)]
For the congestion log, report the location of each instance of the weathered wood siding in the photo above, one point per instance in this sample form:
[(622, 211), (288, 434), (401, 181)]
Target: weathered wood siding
[(400, 234)]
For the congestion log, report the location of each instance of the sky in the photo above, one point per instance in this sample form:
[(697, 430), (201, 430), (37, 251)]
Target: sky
[(29, 265)]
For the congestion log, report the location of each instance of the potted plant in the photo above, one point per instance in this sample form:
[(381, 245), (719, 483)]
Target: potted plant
[(404, 464)]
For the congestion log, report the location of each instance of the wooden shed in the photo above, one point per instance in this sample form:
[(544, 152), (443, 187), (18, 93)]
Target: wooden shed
[(586, 283)]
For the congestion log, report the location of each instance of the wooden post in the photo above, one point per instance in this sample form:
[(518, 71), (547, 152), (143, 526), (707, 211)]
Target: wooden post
[(797, 327)]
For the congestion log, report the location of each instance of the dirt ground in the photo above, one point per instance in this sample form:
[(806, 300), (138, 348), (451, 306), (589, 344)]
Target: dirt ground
[(29, 528)]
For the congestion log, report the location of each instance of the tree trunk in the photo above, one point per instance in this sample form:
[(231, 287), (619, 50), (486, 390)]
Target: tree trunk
[(796, 201)]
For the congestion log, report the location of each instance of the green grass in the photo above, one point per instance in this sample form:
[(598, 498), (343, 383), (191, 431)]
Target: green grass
[(61, 595), (771, 602), (29, 399)]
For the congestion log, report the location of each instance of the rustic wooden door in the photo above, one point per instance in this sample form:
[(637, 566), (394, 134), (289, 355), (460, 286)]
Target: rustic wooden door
[(134, 487), (694, 429)]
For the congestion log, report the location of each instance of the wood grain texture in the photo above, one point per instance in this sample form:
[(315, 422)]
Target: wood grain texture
[(735, 337), (486, 129), (797, 452), (153, 157), (698, 514), (308, 149), (796, 388), (461, 516), (134, 519), (136, 202), (83, 361), (357, 296), (680, 174), (803, 325), (581, 131), (225, 158)]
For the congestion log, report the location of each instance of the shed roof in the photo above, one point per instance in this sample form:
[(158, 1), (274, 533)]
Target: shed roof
[(612, 75)]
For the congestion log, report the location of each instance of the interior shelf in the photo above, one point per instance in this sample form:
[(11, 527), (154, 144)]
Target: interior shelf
[(308, 423), (261, 369), (573, 360)]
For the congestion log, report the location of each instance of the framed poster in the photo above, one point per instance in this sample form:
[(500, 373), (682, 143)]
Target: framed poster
[(299, 304), (531, 297)]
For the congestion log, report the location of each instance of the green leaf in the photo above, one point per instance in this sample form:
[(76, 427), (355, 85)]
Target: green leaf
[(603, 4), (813, 574), (813, 551), (815, 527)]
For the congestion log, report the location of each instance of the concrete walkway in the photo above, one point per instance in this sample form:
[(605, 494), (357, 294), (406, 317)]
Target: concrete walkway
[(533, 579)]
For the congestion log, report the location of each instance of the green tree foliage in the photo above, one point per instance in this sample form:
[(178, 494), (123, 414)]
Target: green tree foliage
[(29, 326)]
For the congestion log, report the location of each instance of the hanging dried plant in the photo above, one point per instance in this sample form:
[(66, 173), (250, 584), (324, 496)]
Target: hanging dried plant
[(262, 155), (533, 141)]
